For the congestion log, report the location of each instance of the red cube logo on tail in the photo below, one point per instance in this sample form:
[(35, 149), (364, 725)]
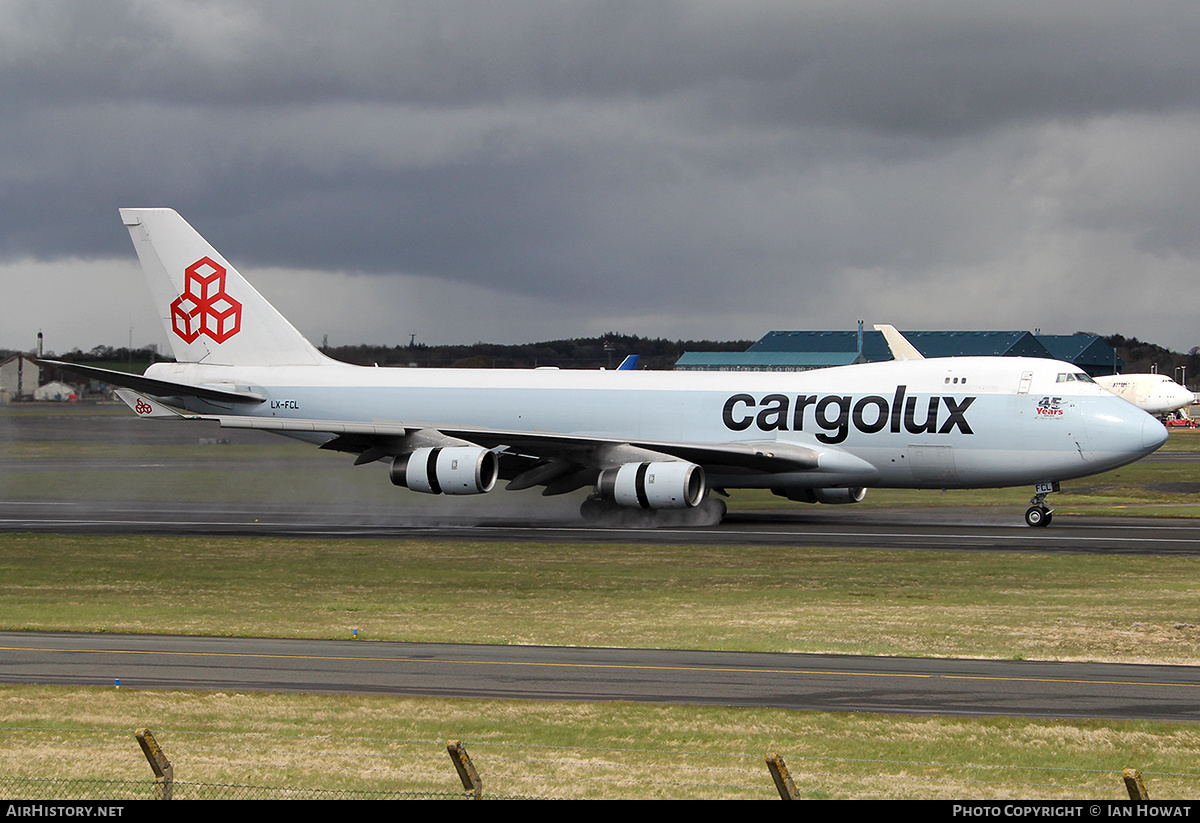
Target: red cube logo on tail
[(204, 307)]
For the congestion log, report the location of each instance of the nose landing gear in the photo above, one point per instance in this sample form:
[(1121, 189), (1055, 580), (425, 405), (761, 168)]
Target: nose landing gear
[(1039, 514)]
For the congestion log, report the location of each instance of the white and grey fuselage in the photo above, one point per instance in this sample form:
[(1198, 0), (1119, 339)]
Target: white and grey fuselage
[(944, 423)]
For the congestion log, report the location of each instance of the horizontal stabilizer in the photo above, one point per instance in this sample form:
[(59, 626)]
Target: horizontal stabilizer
[(149, 407), (157, 388)]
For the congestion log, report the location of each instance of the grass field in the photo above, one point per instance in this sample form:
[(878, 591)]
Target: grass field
[(789, 599), (226, 744), (811, 598)]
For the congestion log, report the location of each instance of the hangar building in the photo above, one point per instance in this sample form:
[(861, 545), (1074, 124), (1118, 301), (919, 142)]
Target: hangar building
[(19, 376), (803, 350)]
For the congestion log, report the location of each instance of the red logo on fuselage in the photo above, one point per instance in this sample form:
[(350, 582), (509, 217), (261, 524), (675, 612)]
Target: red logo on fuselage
[(204, 307)]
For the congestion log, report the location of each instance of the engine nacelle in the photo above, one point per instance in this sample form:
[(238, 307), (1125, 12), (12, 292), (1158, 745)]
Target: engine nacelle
[(828, 496), (448, 470), (663, 485)]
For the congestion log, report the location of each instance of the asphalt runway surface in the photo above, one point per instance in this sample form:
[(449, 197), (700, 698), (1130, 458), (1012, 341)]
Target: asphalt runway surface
[(818, 682), (955, 529), (787, 681)]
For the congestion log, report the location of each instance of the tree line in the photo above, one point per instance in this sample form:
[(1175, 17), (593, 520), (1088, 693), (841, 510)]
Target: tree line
[(606, 351)]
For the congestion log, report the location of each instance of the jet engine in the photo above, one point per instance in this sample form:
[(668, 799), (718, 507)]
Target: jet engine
[(831, 496), (448, 470), (662, 485)]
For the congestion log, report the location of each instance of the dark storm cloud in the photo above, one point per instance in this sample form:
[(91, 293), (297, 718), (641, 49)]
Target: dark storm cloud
[(647, 158), (928, 67)]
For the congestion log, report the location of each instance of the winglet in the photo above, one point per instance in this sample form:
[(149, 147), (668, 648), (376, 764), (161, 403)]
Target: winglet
[(901, 348)]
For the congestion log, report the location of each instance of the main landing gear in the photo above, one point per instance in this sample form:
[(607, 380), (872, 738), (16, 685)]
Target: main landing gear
[(1039, 514), (601, 512)]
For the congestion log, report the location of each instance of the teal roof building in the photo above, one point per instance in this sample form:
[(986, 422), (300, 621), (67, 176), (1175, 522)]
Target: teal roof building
[(804, 350)]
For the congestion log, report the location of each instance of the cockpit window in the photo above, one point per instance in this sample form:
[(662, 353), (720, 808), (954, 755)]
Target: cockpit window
[(1072, 377)]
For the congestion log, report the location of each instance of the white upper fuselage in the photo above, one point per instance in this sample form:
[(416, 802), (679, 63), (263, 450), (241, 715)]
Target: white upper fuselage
[(943, 422)]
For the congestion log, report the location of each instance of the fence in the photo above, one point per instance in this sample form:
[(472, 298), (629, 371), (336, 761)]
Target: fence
[(255, 767)]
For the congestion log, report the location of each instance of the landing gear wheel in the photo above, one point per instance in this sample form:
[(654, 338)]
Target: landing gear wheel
[(716, 507), (1038, 516), (597, 511), (593, 509)]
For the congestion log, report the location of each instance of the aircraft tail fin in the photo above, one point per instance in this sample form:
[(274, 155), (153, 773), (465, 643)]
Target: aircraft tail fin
[(211, 314), (901, 348)]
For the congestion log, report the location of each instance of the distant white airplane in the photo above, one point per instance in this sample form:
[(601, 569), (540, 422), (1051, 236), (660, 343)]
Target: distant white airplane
[(641, 440), (1153, 393)]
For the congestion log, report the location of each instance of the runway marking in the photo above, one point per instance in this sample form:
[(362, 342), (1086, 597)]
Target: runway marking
[(619, 666)]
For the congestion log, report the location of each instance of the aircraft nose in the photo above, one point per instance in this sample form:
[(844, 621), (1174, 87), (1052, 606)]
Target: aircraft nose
[(1119, 433), (1182, 397), (1154, 434)]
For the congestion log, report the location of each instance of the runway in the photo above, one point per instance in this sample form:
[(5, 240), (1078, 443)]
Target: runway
[(814, 682), (946, 529), (786, 681), (791, 681)]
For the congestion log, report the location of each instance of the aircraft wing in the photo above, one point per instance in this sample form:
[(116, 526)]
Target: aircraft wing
[(561, 462), (390, 439)]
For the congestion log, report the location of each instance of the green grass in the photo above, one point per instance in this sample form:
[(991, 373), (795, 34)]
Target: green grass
[(216, 453), (50, 409), (575, 750), (1183, 440), (795, 599)]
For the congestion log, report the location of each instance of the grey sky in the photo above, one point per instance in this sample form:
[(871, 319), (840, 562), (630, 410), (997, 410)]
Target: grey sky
[(514, 172)]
